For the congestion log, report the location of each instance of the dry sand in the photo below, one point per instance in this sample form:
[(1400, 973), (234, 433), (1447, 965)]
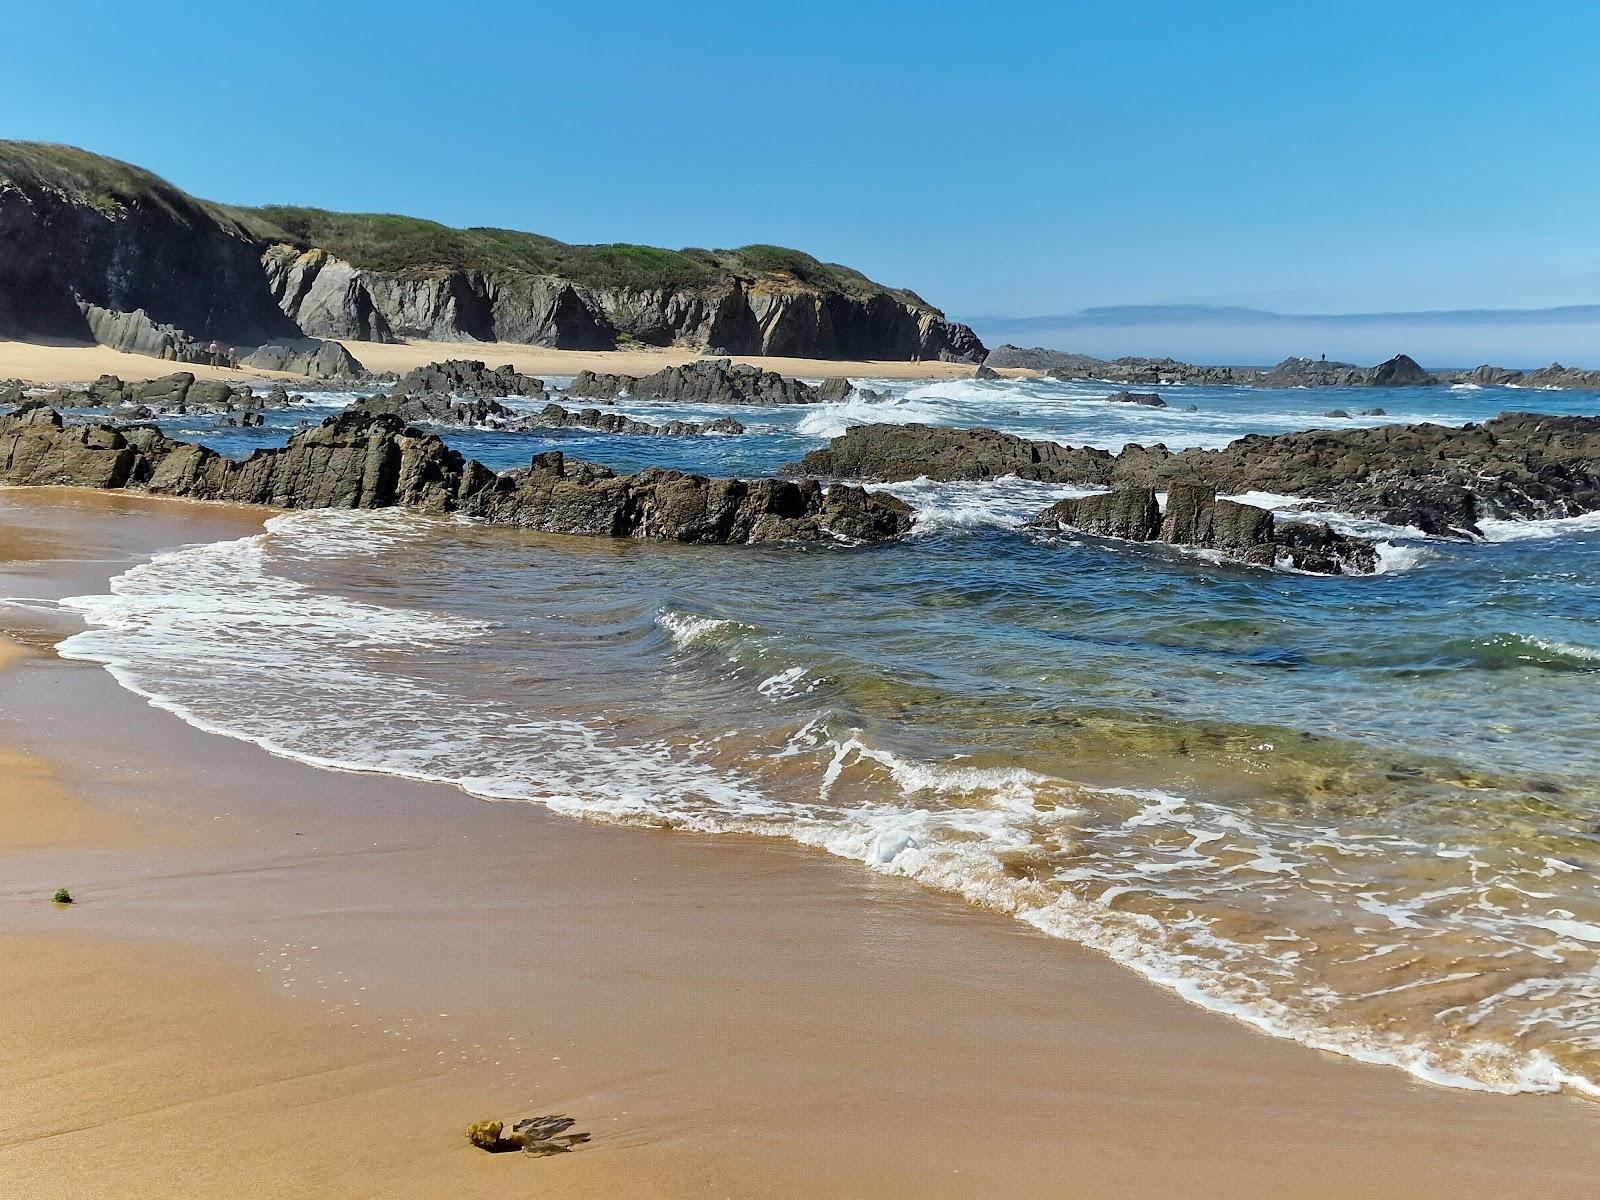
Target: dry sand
[(536, 360), (728, 1017), (73, 363), (68, 362)]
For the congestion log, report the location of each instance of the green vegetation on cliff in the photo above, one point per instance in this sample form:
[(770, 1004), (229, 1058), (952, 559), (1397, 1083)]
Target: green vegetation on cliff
[(387, 242)]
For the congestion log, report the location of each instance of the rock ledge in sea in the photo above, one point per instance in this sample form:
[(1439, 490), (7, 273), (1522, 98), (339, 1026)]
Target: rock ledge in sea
[(375, 460)]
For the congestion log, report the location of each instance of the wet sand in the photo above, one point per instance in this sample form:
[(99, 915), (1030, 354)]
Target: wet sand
[(286, 981)]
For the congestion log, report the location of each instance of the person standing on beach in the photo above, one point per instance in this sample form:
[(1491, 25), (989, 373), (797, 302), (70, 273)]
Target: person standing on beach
[(233, 358), (214, 353)]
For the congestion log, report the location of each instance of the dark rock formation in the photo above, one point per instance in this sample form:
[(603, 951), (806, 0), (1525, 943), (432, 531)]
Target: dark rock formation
[(1195, 517), (1128, 513), (707, 381), (1154, 371), (1148, 399), (833, 391), (985, 372), (468, 378), (1337, 414), (899, 452), (93, 248), (366, 460), (426, 409), (1554, 377), (554, 416), (1438, 479), (318, 359), (1485, 376), (1312, 373), (1400, 371)]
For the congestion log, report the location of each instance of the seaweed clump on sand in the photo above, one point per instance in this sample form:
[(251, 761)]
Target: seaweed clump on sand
[(537, 1136)]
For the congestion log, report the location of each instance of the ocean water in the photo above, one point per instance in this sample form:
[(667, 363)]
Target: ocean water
[(1361, 813)]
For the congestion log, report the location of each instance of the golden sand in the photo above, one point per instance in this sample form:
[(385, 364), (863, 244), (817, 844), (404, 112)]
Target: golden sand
[(34, 362), (536, 360)]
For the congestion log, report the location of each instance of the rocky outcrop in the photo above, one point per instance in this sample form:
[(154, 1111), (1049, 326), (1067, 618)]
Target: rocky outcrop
[(1555, 377), (137, 333), (429, 395), (93, 248), (1438, 479), (1131, 514), (426, 409), (707, 381), (1154, 371), (366, 460), (1194, 517), (468, 378), (553, 416), (317, 359), (984, 371), (1147, 399), (1399, 371), (899, 452)]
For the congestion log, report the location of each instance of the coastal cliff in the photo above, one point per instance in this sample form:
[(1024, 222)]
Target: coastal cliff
[(372, 278), (97, 250)]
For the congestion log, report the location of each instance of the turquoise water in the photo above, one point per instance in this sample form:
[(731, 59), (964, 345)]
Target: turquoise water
[(1359, 812)]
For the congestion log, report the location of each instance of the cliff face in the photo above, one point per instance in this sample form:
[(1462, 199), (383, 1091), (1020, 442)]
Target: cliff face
[(100, 250), (328, 297), (95, 249)]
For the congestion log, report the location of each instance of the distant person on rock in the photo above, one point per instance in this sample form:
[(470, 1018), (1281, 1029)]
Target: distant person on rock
[(1324, 358)]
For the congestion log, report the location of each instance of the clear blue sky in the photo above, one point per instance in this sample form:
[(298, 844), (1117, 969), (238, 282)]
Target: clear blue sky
[(1003, 158)]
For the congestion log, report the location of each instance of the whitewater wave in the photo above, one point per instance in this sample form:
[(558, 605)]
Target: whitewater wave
[(223, 637)]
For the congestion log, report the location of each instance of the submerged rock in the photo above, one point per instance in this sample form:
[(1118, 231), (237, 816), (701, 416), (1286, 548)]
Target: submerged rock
[(375, 460), (1148, 399)]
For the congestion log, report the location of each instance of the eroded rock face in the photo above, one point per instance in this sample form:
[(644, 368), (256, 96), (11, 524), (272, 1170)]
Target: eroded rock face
[(553, 416), (707, 381), (367, 460), (1195, 517), (1128, 513), (1438, 479), (328, 297)]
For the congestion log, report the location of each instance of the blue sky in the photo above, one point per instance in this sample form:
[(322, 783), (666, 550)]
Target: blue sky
[(1002, 159)]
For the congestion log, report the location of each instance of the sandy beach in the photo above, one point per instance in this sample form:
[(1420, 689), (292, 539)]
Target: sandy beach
[(278, 980), (643, 360), (42, 363)]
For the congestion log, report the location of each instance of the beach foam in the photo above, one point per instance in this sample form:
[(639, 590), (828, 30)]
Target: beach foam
[(1264, 916)]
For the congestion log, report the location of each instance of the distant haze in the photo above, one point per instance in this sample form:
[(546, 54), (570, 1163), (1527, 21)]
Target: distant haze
[(1250, 337)]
